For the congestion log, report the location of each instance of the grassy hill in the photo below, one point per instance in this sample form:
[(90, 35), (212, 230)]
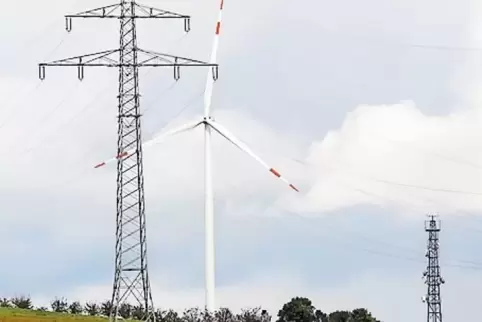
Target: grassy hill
[(18, 315)]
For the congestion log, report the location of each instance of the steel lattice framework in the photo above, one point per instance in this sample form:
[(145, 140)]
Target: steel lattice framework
[(433, 280), (131, 280)]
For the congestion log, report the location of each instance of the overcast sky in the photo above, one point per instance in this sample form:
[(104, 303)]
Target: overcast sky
[(372, 108)]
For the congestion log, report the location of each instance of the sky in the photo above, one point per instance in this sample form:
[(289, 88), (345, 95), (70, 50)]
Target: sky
[(372, 108)]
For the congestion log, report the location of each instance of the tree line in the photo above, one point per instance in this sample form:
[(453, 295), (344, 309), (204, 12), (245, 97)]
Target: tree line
[(298, 309)]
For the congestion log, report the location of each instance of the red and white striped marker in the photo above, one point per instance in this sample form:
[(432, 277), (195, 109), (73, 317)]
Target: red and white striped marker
[(208, 92), (243, 147), (158, 139)]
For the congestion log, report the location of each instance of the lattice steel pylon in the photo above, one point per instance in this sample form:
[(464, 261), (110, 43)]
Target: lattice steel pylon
[(432, 274), (131, 279)]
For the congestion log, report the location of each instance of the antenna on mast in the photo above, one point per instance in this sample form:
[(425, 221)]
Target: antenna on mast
[(432, 277)]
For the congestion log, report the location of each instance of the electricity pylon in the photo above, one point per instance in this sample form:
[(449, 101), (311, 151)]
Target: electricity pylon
[(432, 274), (131, 279)]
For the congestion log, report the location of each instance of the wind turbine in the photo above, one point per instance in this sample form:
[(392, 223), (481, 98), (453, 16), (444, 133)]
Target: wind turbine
[(209, 123)]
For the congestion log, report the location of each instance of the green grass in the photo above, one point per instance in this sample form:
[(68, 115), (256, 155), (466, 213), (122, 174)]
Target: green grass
[(18, 315)]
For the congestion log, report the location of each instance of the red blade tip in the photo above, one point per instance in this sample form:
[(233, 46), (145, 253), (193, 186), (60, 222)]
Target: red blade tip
[(99, 165), (123, 154), (276, 173), (294, 188)]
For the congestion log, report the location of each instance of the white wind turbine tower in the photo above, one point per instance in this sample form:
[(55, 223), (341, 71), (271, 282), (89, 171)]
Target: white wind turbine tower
[(209, 124)]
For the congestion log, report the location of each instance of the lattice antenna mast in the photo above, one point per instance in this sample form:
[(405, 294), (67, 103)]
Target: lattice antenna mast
[(432, 277), (131, 279)]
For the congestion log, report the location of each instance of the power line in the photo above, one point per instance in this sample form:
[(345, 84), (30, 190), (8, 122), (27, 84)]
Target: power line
[(357, 246), (473, 265), (42, 121), (456, 210), (385, 43), (189, 104), (27, 95), (428, 188), (91, 104), (457, 160), (395, 183), (15, 111), (335, 231)]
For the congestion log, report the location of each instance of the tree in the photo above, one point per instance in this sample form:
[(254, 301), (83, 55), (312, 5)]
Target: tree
[(76, 308), (138, 312), (92, 308), (265, 316), (60, 305), (321, 316), (299, 309), (207, 316), (362, 315), (340, 316), (125, 310), (253, 315), (170, 316), (5, 303), (192, 315), (22, 302), (223, 315), (160, 315), (106, 307)]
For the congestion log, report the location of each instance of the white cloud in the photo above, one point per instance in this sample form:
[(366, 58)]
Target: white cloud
[(398, 143), (61, 173)]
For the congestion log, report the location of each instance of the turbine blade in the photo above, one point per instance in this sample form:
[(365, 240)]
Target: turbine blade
[(157, 139), (208, 92), (243, 147)]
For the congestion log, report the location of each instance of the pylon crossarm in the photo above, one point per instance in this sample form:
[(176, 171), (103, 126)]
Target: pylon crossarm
[(102, 12), (149, 58), (100, 59), (146, 59), (88, 59), (109, 58), (150, 12), (140, 12), (114, 11)]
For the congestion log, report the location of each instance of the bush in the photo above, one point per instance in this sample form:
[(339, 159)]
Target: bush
[(125, 311), (92, 308), (76, 308), (105, 308), (22, 302), (5, 303), (60, 305)]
